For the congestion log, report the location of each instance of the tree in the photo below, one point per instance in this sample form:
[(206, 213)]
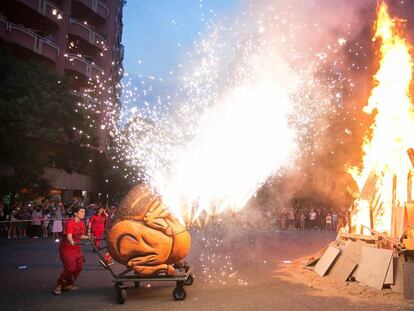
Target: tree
[(37, 110)]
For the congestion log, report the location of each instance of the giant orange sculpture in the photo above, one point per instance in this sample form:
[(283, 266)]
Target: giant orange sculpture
[(145, 236)]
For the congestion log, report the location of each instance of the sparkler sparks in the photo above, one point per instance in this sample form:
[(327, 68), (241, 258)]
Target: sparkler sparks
[(245, 104)]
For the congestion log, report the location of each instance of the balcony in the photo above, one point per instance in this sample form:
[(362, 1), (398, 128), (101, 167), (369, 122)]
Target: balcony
[(28, 39), (4, 27), (121, 52), (86, 100), (98, 7), (79, 29), (82, 66), (43, 7), (60, 179)]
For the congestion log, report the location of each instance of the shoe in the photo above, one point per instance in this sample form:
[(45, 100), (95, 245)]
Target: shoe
[(58, 290), (69, 288)]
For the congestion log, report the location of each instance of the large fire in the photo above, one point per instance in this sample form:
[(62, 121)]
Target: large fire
[(384, 180)]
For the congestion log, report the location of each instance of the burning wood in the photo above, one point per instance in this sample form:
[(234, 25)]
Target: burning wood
[(384, 179), (382, 216)]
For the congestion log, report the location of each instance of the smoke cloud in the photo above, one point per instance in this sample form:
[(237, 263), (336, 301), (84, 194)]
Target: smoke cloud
[(310, 63)]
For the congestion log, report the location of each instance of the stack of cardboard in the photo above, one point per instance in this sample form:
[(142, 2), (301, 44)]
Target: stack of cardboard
[(370, 257), (362, 258)]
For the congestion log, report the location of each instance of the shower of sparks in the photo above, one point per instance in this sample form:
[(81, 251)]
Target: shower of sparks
[(98, 102), (255, 94), (217, 267), (250, 102)]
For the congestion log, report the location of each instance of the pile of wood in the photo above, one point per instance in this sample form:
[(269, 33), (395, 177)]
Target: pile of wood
[(375, 260), (370, 257), (402, 215)]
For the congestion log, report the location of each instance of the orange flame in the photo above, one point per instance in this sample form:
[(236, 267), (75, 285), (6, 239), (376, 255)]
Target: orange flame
[(383, 178)]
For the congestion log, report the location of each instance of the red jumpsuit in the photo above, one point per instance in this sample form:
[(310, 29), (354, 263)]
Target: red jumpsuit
[(71, 255), (97, 227)]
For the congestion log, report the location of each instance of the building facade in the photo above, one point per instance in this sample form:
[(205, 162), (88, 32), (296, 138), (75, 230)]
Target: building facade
[(80, 39)]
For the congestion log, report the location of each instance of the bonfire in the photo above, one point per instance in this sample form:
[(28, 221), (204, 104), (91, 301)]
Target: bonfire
[(384, 201), (376, 246)]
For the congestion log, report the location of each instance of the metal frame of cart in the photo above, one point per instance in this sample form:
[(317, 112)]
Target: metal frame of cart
[(183, 277)]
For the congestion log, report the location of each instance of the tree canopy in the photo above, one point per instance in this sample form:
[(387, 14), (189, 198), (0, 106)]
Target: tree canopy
[(37, 110)]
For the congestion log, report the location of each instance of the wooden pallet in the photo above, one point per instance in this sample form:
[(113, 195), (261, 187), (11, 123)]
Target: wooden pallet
[(370, 239)]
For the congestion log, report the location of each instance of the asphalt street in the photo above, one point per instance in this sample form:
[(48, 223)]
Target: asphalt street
[(234, 268)]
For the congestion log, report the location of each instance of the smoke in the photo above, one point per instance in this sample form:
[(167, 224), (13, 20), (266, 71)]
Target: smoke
[(269, 97), (325, 46), (334, 38), (336, 142)]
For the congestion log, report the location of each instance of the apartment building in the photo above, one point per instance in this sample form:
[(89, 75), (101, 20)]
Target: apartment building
[(78, 38)]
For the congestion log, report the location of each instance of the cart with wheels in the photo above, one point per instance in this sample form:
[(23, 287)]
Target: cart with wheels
[(183, 277)]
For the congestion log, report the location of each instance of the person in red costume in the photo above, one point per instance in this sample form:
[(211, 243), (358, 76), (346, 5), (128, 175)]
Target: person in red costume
[(71, 253), (97, 225)]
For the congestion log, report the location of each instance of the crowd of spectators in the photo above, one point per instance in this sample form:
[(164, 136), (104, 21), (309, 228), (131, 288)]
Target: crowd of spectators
[(45, 218), (40, 218), (308, 214), (315, 219)]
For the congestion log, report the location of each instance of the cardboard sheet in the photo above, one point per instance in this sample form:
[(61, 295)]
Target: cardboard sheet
[(326, 261), (342, 268), (373, 266)]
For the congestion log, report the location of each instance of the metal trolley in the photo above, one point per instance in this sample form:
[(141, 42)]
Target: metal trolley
[(183, 277)]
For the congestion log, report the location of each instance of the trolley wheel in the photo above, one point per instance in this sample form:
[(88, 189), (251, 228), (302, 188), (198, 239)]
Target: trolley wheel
[(179, 293), (189, 280), (136, 284), (121, 294)]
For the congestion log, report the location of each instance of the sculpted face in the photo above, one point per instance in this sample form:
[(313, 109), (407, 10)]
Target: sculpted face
[(145, 236)]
